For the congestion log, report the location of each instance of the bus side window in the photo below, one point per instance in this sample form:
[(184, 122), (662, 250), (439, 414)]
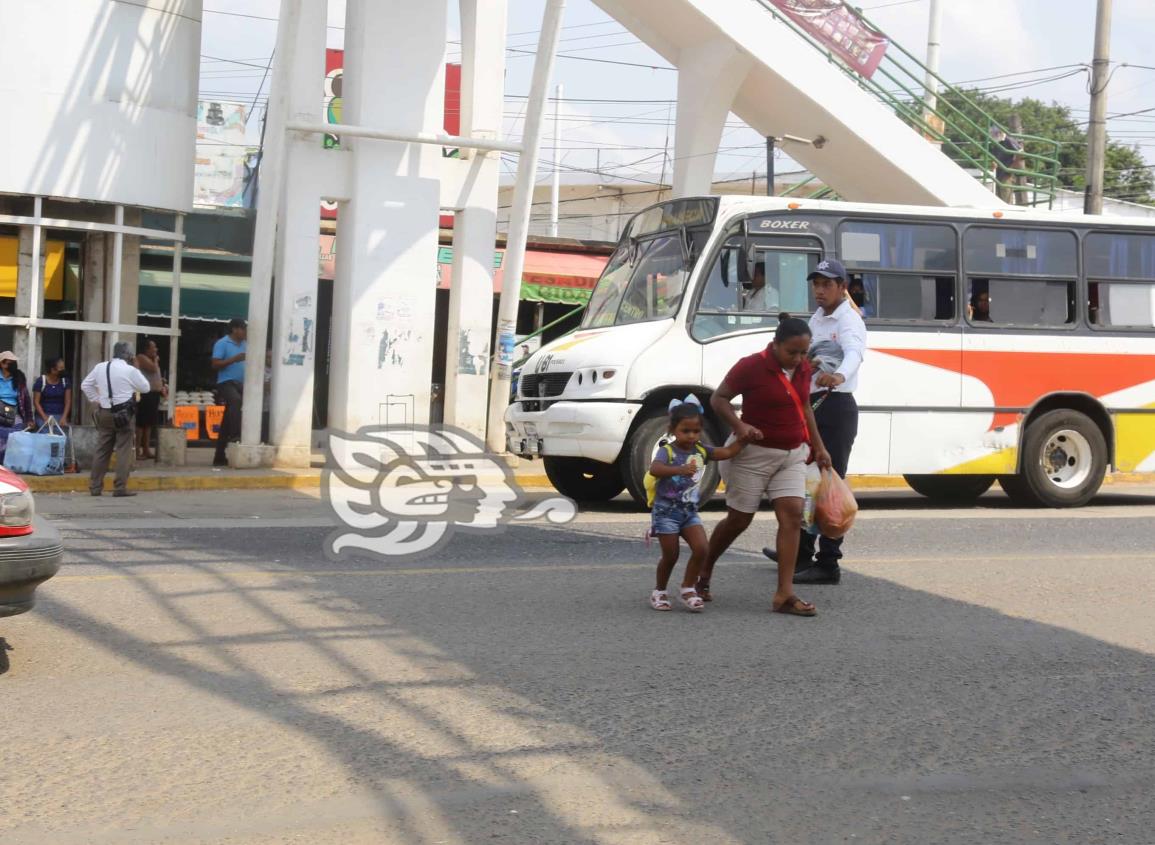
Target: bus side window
[(1021, 302), (721, 300), (904, 296), (723, 291)]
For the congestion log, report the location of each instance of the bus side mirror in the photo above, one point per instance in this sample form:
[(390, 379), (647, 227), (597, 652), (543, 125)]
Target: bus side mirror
[(746, 263)]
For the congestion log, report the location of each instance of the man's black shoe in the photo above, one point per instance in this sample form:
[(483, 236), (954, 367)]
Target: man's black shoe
[(220, 462), (95, 492), (819, 574), (772, 553), (123, 494)]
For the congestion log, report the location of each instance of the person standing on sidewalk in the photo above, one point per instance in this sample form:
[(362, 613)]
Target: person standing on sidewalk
[(838, 334), (109, 386), (229, 362), (148, 413)]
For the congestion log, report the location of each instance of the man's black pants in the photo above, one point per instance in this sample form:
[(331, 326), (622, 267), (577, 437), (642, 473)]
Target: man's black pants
[(837, 419), (231, 395)]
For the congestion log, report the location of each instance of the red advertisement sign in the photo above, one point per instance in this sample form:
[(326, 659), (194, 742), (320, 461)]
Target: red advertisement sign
[(334, 74), (840, 28)]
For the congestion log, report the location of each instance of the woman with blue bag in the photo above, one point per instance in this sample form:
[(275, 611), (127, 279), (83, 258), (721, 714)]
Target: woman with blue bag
[(52, 393), (15, 402)]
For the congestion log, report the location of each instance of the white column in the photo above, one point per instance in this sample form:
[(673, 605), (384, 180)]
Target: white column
[(30, 269), (384, 296), (709, 76), (264, 237), (117, 276), (470, 328), (174, 318), (519, 224), (294, 326)]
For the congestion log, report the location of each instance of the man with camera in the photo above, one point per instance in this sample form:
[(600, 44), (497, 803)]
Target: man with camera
[(112, 387)]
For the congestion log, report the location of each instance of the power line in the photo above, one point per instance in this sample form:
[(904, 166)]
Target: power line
[(599, 61)]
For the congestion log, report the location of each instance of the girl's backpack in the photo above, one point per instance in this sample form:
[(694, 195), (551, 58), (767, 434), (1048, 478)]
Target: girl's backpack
[(650, 483)]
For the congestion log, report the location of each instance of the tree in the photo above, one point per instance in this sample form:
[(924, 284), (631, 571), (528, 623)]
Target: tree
[(970, 113)]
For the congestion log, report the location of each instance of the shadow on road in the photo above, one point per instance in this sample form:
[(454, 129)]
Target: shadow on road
[(517, 689), (4, 649)]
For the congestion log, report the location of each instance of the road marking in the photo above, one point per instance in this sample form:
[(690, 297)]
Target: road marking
[(755, 560)]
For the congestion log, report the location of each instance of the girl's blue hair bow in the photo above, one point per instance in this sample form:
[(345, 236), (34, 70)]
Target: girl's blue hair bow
[(689, 400)]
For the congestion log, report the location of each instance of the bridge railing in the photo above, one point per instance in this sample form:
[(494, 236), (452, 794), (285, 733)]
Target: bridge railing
[(1030, 173)]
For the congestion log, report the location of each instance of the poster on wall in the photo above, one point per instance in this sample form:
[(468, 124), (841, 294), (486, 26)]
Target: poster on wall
[(840, 28), (332, 107), (224, 162)]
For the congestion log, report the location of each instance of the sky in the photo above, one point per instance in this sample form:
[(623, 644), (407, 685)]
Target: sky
[(1041, 47)]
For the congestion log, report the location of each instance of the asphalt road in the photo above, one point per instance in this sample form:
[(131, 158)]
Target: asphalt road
[(201, 673)]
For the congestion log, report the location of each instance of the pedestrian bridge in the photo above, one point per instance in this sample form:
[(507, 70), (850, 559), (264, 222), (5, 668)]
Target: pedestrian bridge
[(749, 58)]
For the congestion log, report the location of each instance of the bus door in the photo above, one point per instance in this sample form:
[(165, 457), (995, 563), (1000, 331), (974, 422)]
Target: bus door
[(732, 318)]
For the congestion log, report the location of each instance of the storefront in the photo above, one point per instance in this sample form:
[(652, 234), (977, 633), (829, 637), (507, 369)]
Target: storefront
[(556, 283)]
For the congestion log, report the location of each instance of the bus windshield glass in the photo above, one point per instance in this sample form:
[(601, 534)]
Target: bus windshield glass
[(644, 280)]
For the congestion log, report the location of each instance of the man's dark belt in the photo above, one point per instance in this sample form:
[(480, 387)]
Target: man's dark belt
[(816, 399)]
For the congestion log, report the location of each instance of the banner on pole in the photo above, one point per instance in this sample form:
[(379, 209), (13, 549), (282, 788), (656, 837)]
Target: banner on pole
[(839, 27)]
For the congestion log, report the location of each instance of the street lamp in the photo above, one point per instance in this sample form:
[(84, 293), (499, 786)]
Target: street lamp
[(771, 140)]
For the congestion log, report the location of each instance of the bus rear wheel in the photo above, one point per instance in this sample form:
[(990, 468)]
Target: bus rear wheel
[(584, 480), (638, 454), (1064, 460), (950, 488)]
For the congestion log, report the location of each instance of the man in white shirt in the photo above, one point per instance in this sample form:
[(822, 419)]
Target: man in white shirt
[(108, 387), (756, 299), (838, 336)]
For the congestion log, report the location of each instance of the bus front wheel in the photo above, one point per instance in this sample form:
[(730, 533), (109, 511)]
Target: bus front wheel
[(582, 479), (1064, 460), (638, 454), (950, 488)]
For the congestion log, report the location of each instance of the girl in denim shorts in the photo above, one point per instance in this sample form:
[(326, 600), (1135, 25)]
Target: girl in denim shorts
[(678, 467)]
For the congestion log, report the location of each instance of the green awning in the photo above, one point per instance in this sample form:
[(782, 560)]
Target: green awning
[(548, 293), (203, 296)]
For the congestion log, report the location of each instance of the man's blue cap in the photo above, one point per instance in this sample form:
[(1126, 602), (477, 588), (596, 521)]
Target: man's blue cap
[(831, 268)]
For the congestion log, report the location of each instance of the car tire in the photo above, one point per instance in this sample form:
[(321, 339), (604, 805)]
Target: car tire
[(584, 480), (1063, 461), (954, 489), (638, 454)]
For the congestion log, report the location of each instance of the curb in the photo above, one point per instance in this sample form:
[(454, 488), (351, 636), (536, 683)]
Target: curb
[(151, 483), (289, 480)]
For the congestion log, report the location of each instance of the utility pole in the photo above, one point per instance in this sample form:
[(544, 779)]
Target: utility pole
[(770, 139), (555, 192), (933, 44), (935, 124), (1097, 129)]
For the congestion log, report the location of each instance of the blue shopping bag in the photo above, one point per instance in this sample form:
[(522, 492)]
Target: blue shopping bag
[(37, 452)]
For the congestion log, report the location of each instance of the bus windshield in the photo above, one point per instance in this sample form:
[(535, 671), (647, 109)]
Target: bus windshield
[(644, 280)]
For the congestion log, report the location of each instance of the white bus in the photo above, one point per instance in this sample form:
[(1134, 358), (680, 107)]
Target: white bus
[(1044, 387)]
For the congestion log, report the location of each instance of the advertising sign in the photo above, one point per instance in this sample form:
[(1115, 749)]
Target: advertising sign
[(334, 77), (840, 28), (224, 162)]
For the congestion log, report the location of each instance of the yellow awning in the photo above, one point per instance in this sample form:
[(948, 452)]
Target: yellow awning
[(53, 267)]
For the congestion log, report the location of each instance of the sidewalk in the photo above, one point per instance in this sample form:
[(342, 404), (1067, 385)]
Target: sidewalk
[(201, 475)]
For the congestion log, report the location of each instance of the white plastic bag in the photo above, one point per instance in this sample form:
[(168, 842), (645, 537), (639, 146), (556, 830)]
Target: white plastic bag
[(813, 479)]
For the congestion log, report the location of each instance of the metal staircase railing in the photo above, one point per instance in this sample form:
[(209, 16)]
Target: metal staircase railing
[(969, 144)]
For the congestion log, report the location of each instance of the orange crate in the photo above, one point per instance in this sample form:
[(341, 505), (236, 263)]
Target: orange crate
[(214, 414), (188, 417)]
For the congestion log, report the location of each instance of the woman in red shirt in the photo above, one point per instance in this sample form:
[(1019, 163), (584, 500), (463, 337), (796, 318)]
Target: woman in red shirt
[(779, 425)]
